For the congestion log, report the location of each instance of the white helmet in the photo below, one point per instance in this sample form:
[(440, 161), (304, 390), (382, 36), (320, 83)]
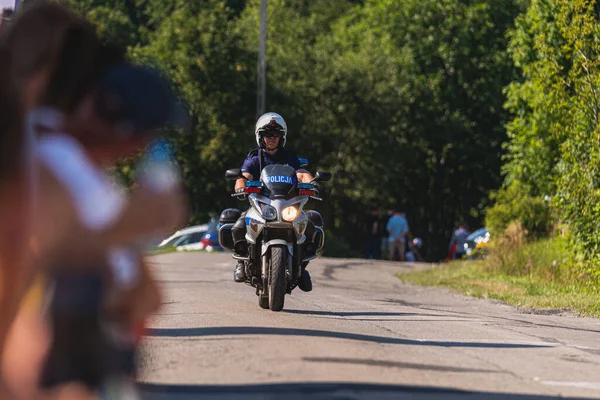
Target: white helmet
[(270, 122), (418, 242)]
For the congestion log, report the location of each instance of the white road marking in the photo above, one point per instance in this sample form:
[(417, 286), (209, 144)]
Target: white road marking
[(582, 347), (412, 318), (515, 342), (581, 385)]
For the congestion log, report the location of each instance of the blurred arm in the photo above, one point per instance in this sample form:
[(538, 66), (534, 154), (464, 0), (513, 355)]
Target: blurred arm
[(145, 214)]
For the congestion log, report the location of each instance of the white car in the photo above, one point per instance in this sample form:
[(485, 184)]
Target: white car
[(186, 239)]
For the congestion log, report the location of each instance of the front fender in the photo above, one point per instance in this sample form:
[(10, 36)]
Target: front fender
[(265, 246)]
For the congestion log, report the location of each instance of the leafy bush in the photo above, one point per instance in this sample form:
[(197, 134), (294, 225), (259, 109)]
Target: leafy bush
[(514, 204), (550, 260)]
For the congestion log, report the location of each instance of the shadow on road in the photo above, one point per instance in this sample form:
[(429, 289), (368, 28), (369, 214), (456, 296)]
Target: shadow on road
[(361, 313), (254, 330), (462, 313), (397, 364), (317, 391), (329, 269)]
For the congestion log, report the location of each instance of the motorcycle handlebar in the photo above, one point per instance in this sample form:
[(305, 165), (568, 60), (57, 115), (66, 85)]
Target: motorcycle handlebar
[(245, 194)]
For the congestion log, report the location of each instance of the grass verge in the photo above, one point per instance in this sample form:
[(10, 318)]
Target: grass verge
[(167, 250), (538, 285)]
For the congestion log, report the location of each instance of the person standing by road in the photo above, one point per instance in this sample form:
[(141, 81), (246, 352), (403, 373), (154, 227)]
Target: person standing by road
[(372, 235), (383, 233), (397, 228), (459, 238)]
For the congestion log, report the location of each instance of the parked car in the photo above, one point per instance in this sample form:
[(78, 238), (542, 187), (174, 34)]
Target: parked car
[(189, 238), (477, 242), (198, 237), (210, 240)]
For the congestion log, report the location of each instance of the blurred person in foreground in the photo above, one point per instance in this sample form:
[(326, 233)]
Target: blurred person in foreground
[(14, 210), (93, 323), (92, 217), (30, 47)]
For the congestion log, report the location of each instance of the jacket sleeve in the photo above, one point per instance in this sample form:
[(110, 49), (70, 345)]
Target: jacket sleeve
[(250, 166)]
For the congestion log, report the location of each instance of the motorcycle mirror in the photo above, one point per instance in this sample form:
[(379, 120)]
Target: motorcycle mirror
[(323, 176), (233, 173)]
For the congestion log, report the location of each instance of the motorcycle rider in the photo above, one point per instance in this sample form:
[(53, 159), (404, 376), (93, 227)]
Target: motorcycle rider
[(271, 137)]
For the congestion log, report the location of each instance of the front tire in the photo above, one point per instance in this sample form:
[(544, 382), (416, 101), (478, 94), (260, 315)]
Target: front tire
[(277, 277)]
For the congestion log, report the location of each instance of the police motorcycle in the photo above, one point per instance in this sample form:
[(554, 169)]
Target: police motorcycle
[(276, 224)]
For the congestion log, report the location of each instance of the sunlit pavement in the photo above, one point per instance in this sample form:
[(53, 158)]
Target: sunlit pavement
[(361, 333)]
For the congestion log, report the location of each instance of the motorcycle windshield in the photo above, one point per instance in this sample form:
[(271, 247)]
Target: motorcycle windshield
[(279, 179)]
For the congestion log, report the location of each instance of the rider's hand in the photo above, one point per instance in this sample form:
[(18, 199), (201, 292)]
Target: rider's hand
[(240, 191)]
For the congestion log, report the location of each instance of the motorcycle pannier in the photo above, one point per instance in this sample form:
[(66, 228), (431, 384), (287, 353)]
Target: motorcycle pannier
[(226, 221)]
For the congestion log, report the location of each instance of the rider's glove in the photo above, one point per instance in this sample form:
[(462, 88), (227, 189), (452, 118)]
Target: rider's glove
[(240, 190)]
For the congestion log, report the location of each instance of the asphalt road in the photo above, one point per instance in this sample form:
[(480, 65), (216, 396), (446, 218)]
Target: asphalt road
[(361, 333)]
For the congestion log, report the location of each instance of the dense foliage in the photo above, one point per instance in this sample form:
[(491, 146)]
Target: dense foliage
[(554, 142), (401, 99)]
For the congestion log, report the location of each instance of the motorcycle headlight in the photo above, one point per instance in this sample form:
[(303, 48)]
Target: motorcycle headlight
[(289, 213), (269, 212)]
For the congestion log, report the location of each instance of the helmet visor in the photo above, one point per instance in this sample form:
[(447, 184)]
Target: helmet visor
[(271, 134), (272, 129)]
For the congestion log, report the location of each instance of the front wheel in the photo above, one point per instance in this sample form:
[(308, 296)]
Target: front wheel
[(277, 277)]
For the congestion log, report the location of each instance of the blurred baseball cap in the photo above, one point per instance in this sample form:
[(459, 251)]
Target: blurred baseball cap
[(138, 99)]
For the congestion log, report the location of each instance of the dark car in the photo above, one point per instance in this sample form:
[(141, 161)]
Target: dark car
[(476, 243)]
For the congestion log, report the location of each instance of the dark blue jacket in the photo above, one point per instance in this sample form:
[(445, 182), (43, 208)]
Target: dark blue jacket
[(252, 163)]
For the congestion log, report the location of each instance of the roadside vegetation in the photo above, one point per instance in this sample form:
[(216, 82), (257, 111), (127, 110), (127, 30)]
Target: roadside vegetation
[(157, 251), (532, 275), (545, 220)]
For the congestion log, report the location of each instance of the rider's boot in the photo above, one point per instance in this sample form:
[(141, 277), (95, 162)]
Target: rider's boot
[(240, 247), (305, 283), (239, 275)]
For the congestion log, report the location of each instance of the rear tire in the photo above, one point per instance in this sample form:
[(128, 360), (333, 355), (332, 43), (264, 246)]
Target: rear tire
[(277, 279)]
